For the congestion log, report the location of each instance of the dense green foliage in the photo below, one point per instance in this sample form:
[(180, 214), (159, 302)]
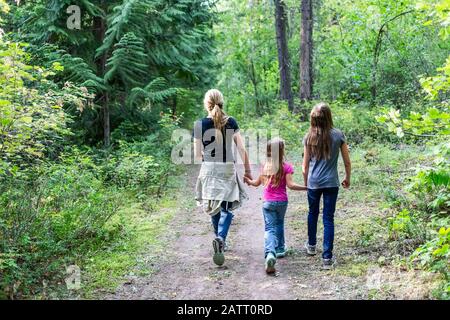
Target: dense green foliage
[(64, 200), (348, 64), (56, 199), (131, 54)]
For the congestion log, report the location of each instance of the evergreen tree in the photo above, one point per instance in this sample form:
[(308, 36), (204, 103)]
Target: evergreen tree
[(125, 47)]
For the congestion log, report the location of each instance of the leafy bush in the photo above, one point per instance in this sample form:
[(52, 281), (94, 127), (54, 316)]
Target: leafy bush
[(58, 213), (33, 123), (289, 125), (431, 186), (144, 165), (50, 218), (356, 121), (435, 255), (134, 170), (404, 225)]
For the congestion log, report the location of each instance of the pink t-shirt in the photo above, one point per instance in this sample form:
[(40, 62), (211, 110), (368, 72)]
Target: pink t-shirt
[(279, 193)]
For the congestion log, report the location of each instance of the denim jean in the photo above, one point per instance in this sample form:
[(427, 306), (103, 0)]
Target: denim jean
[(274, 212), (222, 221), (329, 207)]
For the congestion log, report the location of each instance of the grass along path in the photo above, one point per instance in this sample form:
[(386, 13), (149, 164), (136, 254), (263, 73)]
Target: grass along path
[(143, 221), (183, 267)]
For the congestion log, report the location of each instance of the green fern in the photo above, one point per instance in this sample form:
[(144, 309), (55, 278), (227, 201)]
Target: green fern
[(128, 62), (149, 48), (76, 70), (154, 92), (127, 17)]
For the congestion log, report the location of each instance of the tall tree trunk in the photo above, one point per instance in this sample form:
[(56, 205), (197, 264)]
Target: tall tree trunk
[(106, 122), (306, 51), (252, 70), (266, 89), (174, 106), (283, 53), (254, 81), (103, 97)]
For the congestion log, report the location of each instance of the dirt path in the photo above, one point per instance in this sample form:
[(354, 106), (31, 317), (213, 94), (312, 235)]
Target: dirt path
[(187, 270)]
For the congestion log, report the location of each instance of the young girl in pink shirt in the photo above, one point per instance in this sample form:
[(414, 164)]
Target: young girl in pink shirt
[(276, 175)]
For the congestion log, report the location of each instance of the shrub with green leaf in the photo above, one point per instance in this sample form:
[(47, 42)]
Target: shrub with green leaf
[(32, 119), (50, 217), (435, 255)]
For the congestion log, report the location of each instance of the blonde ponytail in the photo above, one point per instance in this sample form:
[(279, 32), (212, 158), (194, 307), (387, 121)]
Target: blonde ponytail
[(218, 116), (213, 103)]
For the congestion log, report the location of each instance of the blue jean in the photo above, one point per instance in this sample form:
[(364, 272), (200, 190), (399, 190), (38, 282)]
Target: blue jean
[(274, 212), (329, 207), (222, 221)]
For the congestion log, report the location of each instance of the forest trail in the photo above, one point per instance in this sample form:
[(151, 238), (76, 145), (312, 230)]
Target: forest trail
[(187, 270)]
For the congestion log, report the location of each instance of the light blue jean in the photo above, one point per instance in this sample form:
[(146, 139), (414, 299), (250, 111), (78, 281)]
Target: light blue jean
[(222, 221), (274, 212)]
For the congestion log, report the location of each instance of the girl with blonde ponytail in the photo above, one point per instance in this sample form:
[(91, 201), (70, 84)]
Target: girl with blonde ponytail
[(213, 103), (219, 188)]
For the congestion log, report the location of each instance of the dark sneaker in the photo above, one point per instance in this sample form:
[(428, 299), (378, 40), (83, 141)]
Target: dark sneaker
[(310, 250), (270, 263), (218, 256), (328, 264)]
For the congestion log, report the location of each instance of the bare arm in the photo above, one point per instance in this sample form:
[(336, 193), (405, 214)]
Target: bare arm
[(348, 165), (305, 166), (243, 153), (256, 183), (292, 185)]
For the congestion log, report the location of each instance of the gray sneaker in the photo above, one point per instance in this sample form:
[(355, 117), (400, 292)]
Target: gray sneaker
[(310, 250), (270, 263), (328, 264), (218, 256)]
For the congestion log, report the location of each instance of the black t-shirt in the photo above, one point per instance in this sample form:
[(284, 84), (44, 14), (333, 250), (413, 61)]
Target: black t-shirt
[(205, 131)]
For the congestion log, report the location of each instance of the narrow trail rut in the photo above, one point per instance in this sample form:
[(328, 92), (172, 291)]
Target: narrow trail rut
[(187, 272)]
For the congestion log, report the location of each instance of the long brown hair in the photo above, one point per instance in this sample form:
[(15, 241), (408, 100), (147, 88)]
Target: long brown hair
[(213, 103), (273, 168), (318, 140)]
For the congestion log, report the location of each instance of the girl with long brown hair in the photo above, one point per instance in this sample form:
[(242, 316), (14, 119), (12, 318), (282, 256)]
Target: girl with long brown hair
[(322, 145), (276, 175), (219, 188)]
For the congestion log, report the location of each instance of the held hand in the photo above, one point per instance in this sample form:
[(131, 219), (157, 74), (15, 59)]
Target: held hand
[(248, 175), (346, 183), (246, 180)]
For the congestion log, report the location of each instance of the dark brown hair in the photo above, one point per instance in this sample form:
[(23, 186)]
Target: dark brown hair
[(318, 139), (273, 168)]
